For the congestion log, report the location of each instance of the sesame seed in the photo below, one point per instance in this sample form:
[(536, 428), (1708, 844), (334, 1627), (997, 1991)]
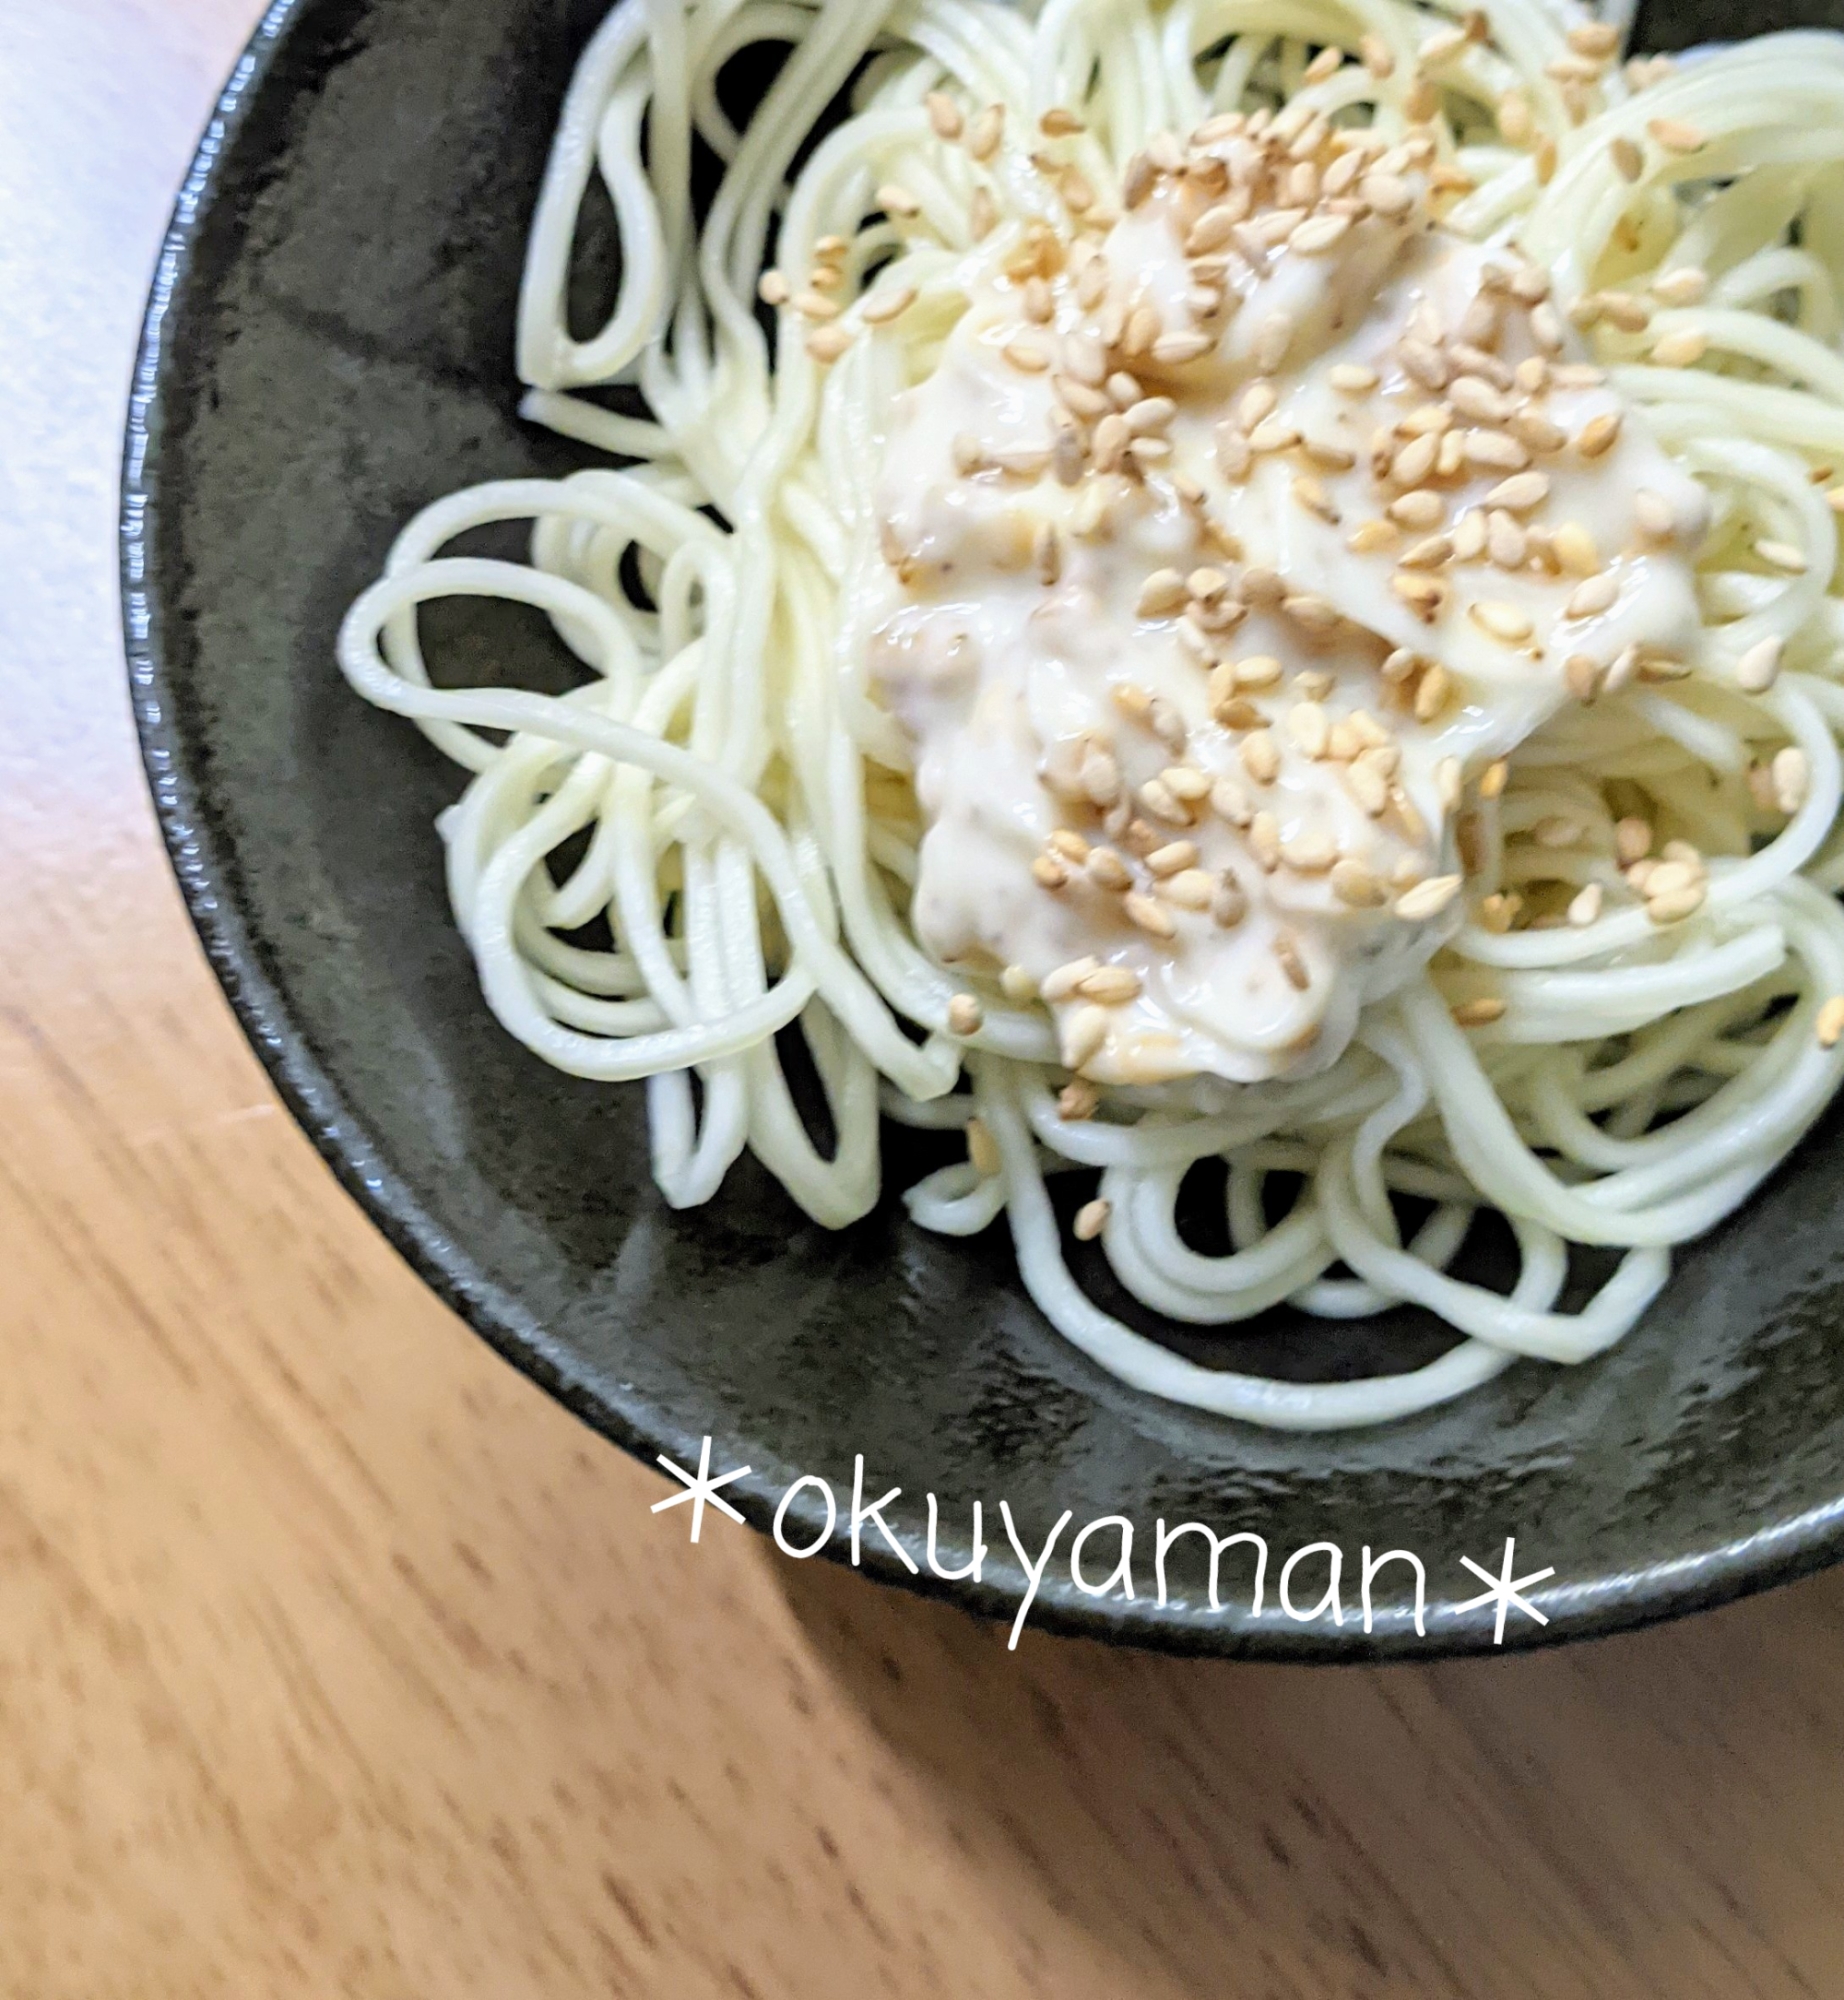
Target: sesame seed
[(1792, 778), (1597, 435), (773, 289), (1581, 674), (1759, 667), (1592, 596), (1318, 234), (965, 1015), (1501, 621), (1085, 1034), (1077, 1100), (1189, 889), (1091, 1220), (1520, 493), (1493, 778), (1831, 1022), (1676, 135), (1427, 899), (1599, 39), (1418, 508), (1629, 161), (1556, 830), (1478, 401), (815, 305), (982, 214), (1069, 844), (1388, 194), (827, 343), (1272, 341), (1111, 985), (1059, 122), (1506, 541), (1470, 535), (1370, 537), (1291, 963), (1676, 904), (1431, 692), (1686, 286), (1681, 349), (1429, 554), (1099, 776), (1170, 859), (1575, 550), (1273, 434), (1142, 911), (1493, 451), (1426, 596), (1622, 671), (984, 134), (1351, 380), (1414, 462), (1162, 594), (1782, 556), (1478, 1013), (1310, 493), (1358, 886), (1632, 840), (1185, 782), (1107, 870), (1061, 984), (1049, 872), (943, 115), (1026, 353), (1172, 350)]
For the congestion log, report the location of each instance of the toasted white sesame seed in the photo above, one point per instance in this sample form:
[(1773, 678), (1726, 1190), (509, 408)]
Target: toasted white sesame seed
[(1759, 667), (1500, 620), (1085, 1034), (1687, 286), (965, 1015), (1592, 596), (944, 115), (1478, 1013), (1680, 349), (1349, 379), (1519, 494), (1427, 899), (1575, 549), (1148, 915), (1110, 985), (1831, 1022), (1091, 1220), (827, 343), (1598, 434), (1676, 135), (1792, 778), (1782, 556), (1629, 161)]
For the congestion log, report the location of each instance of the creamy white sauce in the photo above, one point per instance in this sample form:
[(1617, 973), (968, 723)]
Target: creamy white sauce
[(1005, 677)]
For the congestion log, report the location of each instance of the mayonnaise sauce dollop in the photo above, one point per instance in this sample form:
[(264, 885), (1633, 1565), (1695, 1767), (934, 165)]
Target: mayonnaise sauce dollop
[(1222, 557)]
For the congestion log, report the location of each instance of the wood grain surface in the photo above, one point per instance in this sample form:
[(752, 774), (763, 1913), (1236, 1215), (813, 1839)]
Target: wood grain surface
[(334, 1660)]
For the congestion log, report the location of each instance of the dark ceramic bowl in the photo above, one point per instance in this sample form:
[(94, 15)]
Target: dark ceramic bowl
[(328, 348)]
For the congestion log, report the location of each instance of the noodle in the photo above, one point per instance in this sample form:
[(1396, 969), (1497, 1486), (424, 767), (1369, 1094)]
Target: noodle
[(751, 836)]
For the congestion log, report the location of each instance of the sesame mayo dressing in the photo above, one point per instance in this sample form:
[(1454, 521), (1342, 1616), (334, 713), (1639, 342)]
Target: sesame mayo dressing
[(1222, 558)]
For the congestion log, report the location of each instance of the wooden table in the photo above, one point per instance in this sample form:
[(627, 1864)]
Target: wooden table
[(335, 1660)]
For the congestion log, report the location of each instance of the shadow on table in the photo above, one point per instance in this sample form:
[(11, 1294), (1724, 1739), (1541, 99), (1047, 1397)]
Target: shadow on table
[(1652, 1813)]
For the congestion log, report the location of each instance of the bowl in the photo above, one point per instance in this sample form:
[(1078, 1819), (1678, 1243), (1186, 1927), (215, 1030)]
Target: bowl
[(328, 348)]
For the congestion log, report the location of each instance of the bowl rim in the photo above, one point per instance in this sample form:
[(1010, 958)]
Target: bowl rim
[(1780, 1552)]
